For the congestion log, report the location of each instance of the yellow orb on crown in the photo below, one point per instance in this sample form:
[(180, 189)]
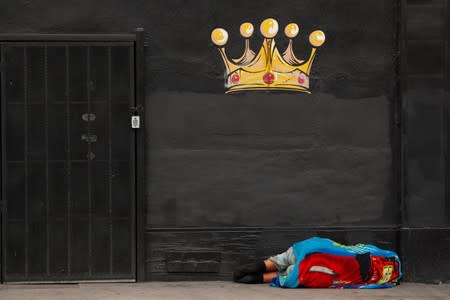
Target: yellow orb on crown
[(291, 30), (219, 36), (269, 28), (247, 29), (317, 38)]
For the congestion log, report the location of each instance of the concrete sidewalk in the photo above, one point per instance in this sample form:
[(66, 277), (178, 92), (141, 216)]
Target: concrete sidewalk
[(212, 290)]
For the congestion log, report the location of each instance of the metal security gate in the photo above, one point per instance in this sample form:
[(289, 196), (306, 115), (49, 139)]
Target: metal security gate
[(68, 160)]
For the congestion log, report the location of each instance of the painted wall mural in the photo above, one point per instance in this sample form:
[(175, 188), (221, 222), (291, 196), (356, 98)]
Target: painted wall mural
[(268, 69)]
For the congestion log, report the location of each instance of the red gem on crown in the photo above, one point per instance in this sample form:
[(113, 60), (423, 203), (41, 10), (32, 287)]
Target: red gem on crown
[(301, 79), (235, 78), (269, 78)]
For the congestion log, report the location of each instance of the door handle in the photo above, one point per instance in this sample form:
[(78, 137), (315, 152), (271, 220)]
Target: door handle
[(92, 138)]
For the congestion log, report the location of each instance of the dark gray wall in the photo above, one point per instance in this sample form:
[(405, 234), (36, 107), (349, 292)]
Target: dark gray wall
[(238, 177), (426, 137)]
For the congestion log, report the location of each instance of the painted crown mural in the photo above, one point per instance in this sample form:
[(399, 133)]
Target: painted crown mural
[(267, 70)]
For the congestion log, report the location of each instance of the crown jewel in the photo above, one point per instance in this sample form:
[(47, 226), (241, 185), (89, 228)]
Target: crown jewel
[(267, 69)]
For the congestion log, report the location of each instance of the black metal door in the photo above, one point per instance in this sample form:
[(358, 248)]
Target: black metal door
[(68, 161)]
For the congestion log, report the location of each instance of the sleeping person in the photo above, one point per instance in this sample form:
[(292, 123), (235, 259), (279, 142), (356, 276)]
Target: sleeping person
[(323, 263)]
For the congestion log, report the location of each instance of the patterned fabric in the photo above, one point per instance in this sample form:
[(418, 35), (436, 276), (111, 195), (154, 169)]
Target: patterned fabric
[(323, 263)]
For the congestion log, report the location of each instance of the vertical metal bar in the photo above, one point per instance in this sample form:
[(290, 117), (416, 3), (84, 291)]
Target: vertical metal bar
[(4, 213), (69, 166), (110, 170), (25, 120), (88, 94), (132, 220), (47, 204), (139, 184)]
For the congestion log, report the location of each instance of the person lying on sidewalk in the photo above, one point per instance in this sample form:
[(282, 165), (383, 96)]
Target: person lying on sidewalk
[(323, 263)]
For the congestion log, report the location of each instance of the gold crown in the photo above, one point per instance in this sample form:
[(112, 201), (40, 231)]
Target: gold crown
[(267, 70)]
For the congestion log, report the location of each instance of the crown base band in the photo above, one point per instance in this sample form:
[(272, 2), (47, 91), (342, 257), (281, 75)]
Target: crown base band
[(297, 89)]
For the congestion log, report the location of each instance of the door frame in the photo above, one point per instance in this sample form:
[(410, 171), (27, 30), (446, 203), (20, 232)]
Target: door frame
[(138, 161)]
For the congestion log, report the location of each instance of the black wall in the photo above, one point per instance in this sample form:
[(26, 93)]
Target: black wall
[(232, 178), (237, 177), (425, 83)]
